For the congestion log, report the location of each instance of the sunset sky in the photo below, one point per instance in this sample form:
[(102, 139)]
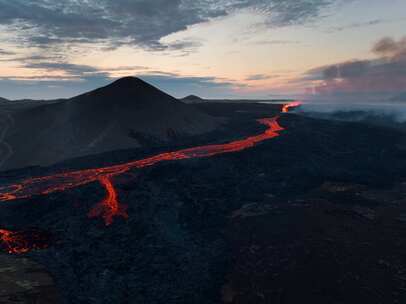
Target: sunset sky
[(215, 49)]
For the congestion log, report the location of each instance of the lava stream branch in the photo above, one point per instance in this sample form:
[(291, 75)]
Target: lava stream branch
[(109, 207)]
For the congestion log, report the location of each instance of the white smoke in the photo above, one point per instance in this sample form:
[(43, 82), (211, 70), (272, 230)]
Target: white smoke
[(394, 111)]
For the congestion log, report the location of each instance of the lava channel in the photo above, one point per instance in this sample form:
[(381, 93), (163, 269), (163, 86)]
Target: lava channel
[(110, 207)]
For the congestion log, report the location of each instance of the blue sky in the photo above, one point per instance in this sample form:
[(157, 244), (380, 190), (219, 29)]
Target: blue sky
[(215, 49)]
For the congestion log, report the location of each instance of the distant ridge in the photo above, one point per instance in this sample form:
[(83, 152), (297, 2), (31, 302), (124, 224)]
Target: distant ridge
[(192, 99), (400, 97), (125, 114)]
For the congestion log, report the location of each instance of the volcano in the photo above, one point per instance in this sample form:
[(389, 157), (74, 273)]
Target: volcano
[(118, 116)]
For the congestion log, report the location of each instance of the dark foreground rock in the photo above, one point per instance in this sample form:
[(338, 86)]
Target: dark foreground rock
[(318, 251), (23, 281)]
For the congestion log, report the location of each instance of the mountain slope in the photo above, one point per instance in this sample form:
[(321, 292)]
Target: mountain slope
[(106, 119)]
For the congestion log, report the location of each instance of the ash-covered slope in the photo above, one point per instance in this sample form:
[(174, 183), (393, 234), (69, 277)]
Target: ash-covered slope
[(114, 117)]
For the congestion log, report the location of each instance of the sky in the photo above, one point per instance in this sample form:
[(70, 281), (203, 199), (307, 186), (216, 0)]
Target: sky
[(254, 49)]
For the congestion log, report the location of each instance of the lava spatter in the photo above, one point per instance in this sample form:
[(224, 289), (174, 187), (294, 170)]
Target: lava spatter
[(23, 241), (110, 207)]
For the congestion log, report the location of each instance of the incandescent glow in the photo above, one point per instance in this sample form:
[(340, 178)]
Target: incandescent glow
[(292, 105), (22, 242), (110, 207)]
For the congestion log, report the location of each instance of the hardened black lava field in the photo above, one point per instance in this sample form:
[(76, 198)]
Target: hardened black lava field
[(314, 215)]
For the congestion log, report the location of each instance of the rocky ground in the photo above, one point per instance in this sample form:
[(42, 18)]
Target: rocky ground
[(314, 216), (24, 282), (340, 243)]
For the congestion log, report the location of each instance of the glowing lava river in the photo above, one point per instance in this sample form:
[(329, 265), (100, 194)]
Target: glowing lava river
[(286, 108), (109, 207)]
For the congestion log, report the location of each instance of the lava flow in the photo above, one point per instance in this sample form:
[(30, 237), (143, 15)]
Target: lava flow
[(294, 104), (23, 242), (109, 207)]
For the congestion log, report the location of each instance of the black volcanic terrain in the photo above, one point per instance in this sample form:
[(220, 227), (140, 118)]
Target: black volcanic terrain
[(126, 114), (315, 215)]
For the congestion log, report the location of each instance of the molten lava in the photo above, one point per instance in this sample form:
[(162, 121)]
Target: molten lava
[(23, 242), (110, 207), (292, 105)]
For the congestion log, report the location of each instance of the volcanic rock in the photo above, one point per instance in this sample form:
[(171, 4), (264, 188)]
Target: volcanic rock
[(23, 281)]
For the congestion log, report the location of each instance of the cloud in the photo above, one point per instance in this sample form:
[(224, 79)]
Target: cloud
[(71, 69), (48, 65), (357, 25), (42, 87), (6, 53), (258, 77), (140, 22), (276, 42), (383, 76), (77, 79), (180, 86), (290, 12), (389, 47), (52, 78)]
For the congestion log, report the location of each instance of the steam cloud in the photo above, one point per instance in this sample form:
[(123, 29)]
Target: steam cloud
[(360, 90), (377, 80), (393, 112)]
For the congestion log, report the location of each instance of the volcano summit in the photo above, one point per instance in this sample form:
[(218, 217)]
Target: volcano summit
[(128, 113)]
